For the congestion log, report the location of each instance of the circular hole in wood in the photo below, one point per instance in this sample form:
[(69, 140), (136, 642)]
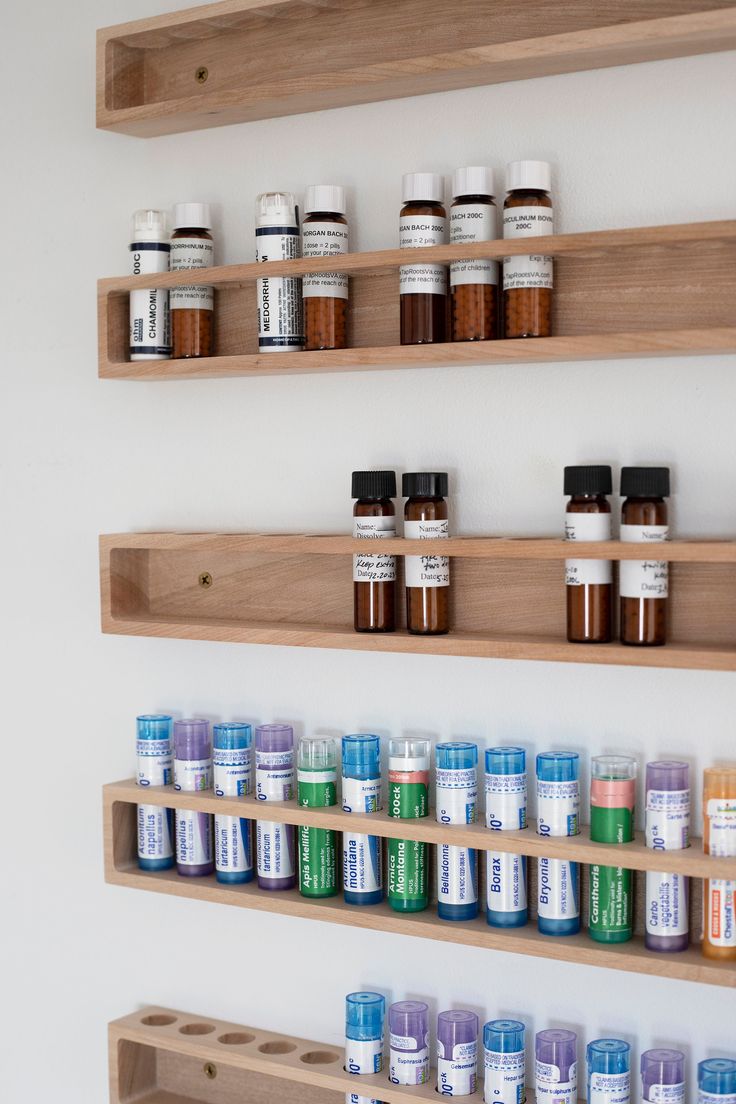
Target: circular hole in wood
[(235, 1038), (319, 1057), (196, 1029), (158, 1019), (277, 1046)]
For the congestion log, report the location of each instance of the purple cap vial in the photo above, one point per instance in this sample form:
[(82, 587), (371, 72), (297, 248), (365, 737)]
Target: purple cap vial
[(274, 737), (556, 1066), (663, 1067), (457, 1053), (408, 1024), (192, 739), (192, 774)]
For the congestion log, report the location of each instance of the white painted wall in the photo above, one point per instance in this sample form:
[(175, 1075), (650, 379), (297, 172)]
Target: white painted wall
[(631, 146)]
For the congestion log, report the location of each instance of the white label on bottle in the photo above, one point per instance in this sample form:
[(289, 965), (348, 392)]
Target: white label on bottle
[(415, 232), (456, 1072), (192, 775), (274, 775), (715, 1098), (558, 897), (233, 850), (472, 222), (609, 1088), (361, 795), (644, 578), (667, 1094), (505, 801), (667, 819), (504, 1077), (550, 1089), (430, 570), (666, 904), (721, 813), (361, 863), (558, 806), (456, 795), (155, 762), (150, 323), (325, 239), (408, 1066), (193, 838), (280, 317), (720, 903), (188, 253), (533, 271), (363, 1056), (367, 567), (154, 832), (275, 847), (505, 882), (587, 527), (232, 771), (456, 875)]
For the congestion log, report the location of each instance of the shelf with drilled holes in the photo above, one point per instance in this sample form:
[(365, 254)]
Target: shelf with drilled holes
[(641, 292), (507, 599), (121, 868)]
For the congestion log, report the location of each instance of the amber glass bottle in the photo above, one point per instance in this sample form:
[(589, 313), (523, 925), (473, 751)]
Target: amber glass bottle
[(589, 583), (527, 280), (192, 307), (374, 575), (473, 284), (422, 288), (325, 234), (427, 577), (644, 584)]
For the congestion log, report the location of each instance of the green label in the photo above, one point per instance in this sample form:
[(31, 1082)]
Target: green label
[(317, 862), (318, 794), (407, 870), (611, 825), (408, 800), (610, 900)]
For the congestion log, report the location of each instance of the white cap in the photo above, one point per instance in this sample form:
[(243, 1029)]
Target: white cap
[(427, 186), (150, 226), (194, 215), (325, 197), (528, 174), (474, 180), (276, 209)]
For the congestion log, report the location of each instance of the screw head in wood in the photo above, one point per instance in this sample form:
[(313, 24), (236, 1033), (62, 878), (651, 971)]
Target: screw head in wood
[(205, 579), (201, 74), (210, 1070)]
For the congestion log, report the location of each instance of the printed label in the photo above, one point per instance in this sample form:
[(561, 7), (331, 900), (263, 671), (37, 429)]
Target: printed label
[(587, 527), (506, 801), (417, 231), (317, 861), (274, 775), (232, 771), (558, 895), (280, 317), (188, 253), (361, 795), (667, 819), (367, 567), (150, 322), (275, 849), (558, 805), (407, 794), (325, 239), (233, 849), (456, 1072), (550, 1089), (715, 1098), (427, 571), (504, 1077), (456, 795), (609, 1088), (456, 875), (644, 578), (472, 222), (193, 838), (155, 762), (667, 1094), (721, 813), (155, 832), (407, 869), (408, 1066), (363, 1055), (532, 271), (666, 904), (192, 775), (505, 882), (361, 863)]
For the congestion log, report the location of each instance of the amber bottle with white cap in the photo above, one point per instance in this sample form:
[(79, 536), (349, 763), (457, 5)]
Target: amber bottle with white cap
[(325, 234), (473, 283), (192, 306), (422, 287), (527, 279)]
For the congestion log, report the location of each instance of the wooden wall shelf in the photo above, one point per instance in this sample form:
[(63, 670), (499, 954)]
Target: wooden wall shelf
[(121, 868), (508, 596), (335, 53), (642, 292)]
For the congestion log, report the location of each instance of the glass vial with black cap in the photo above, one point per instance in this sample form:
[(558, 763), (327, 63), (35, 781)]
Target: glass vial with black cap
[(589, 583), (427, 577), (374, 575), (644, 584)]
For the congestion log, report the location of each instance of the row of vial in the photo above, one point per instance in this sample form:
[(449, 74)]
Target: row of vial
[(188, 835), (312, 312), (643, 584), (608, 1061)]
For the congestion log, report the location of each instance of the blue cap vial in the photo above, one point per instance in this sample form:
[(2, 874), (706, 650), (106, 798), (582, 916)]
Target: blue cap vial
[(456, 755), (505, 760), (558, 766), (364, 1015), (361, 756), (232, 735), (503, 1036), (154, 726), (717, 1076), (608, 1056)]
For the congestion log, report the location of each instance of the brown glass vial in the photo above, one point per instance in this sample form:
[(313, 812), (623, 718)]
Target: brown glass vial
[(374, 575), (644, 584), (473, 284), (527, 280), (589, 583), (192, 307), (422, 288), (325, 234), (427, 577)]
